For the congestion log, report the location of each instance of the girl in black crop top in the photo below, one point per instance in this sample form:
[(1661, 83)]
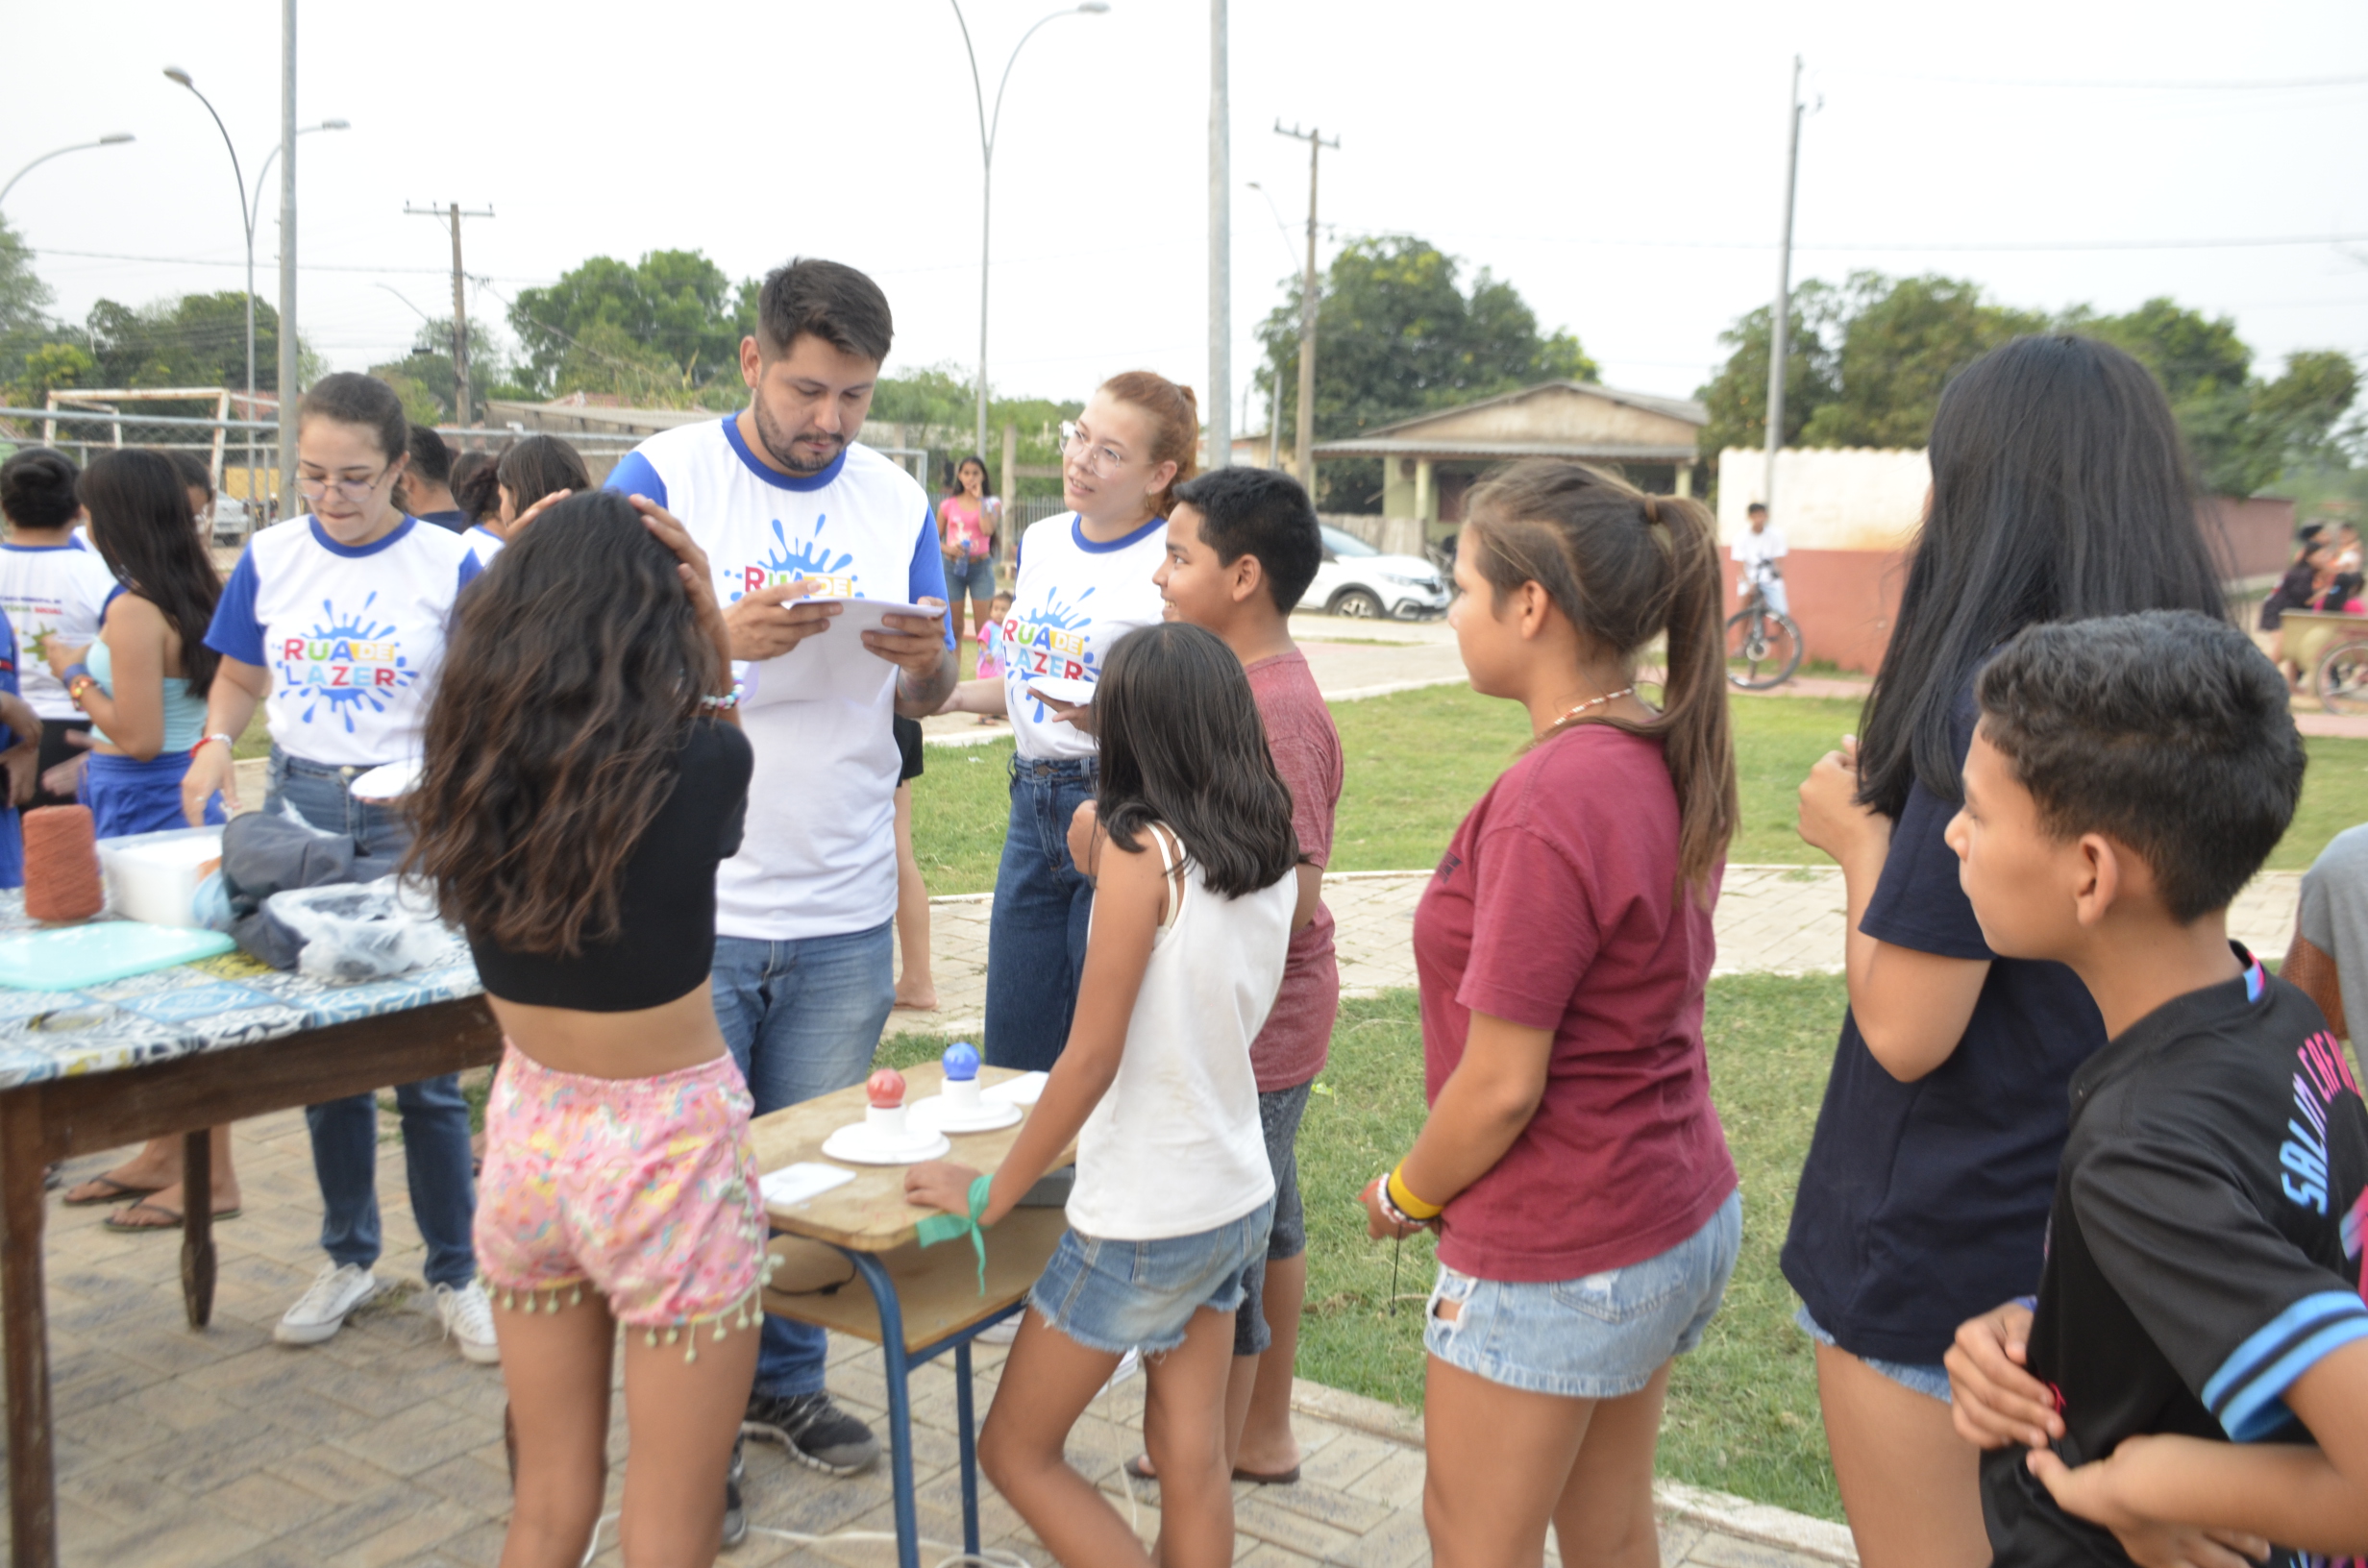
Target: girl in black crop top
[(585, 774)]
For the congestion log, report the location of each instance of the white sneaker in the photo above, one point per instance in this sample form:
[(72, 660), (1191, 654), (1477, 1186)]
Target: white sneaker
[(468, 1319), (321, 1310)]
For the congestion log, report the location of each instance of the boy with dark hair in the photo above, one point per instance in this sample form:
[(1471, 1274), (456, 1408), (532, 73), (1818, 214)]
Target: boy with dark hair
[(52, 590), (1243, 546), (428, 481), (2193, 1382)]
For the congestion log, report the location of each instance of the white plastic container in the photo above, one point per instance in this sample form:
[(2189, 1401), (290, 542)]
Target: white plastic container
[(153, 876)]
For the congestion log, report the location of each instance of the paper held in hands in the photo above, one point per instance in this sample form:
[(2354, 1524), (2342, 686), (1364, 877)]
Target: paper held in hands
[(833, 662), (1069, 694)]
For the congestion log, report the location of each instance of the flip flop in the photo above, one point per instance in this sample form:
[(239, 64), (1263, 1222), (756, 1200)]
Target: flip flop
[(1139, 1467), (115, 1221), (116, 1192)]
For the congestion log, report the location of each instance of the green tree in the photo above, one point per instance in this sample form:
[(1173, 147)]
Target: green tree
[(190, 340), (1905, 338), (1737, 395), (1395, 335), (665, 326), (52, 366), (429, 368)]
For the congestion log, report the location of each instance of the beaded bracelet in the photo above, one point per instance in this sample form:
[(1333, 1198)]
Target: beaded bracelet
[(1390, 1210), (715, 703)]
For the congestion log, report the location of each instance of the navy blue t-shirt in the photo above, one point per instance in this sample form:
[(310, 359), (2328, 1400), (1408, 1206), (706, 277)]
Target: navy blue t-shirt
[(1925, 1204)]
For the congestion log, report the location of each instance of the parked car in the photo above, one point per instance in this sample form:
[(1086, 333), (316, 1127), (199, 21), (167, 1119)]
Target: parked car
[(1356, 579)]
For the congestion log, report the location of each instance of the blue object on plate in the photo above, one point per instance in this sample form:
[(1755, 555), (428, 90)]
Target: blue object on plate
[(74, 956), (961, 1062)]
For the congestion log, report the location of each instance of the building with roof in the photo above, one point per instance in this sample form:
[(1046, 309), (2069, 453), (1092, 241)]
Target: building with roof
[(1430, 461)]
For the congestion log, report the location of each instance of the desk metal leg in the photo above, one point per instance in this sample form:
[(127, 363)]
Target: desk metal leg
[(197, 1226), (970, 1446), (33, 1476), (899, 1403)]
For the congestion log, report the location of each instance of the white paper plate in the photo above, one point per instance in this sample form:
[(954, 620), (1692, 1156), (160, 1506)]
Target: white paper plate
[(860, 1143), (391, 782), (929, 1113)]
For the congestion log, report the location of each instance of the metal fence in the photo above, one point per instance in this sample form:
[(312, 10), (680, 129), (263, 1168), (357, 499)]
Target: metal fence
[(242, 455)]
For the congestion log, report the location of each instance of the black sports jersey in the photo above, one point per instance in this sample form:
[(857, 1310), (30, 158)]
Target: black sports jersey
[(2203, 1247)]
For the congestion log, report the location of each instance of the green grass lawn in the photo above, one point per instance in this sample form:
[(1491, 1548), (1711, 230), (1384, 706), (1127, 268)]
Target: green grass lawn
[(1418, 760), (1742, 1414)]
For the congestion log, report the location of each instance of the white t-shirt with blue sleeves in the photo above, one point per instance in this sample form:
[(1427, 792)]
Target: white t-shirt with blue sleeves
[(352, 636), (818, 856)]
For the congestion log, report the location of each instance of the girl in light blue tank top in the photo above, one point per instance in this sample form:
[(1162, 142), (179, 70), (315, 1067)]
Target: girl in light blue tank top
[(142, 729)]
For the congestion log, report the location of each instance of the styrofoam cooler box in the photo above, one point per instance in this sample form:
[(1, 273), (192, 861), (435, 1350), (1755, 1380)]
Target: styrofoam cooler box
[(153, 876)]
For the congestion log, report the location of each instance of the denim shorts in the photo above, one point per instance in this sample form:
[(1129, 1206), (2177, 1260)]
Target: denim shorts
[(1602, 1336), (1279, 1110), (1116, 1296), (1929, 1380)]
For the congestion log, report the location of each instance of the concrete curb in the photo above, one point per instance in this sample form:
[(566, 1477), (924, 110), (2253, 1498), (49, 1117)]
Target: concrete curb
[(1721, 1512)]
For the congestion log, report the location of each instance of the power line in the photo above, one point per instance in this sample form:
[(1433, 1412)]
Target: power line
[(1921, 248), (205, 261), (2110, 85)]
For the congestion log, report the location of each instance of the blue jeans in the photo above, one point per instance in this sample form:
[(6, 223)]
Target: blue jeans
[(345, 1133), (1037, 924), (802, 1019), (971, 575)]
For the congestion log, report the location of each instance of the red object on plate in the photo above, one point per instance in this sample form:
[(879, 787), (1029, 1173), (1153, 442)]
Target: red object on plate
[(887, 1089)]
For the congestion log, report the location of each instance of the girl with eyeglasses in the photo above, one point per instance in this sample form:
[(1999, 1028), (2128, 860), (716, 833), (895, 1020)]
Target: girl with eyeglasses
[(1085, 581), (334, 623)]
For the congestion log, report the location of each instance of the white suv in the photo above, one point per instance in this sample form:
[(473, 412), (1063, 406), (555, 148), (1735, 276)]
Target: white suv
[(1356, 579)]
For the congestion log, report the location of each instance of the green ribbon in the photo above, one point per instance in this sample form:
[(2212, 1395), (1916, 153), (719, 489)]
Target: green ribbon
[(943, 1227)]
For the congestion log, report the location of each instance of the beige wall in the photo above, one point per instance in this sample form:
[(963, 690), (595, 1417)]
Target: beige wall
[(1556, 415)]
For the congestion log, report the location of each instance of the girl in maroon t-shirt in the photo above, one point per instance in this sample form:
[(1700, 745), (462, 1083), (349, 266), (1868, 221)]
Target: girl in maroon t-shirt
[(1573, 1164)]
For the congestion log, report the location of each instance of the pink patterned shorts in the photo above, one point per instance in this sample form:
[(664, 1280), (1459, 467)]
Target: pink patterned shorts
[(643, 1190)]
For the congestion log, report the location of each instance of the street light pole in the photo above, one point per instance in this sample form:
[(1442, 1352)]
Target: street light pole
[(115, 140), (246, 222), (1220, 248), (1306, 454), (287, 251), (987, 129), (1779, 321), (254, 213)]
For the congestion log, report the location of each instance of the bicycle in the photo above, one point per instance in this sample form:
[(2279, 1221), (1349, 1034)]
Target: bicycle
[(1763, 645)]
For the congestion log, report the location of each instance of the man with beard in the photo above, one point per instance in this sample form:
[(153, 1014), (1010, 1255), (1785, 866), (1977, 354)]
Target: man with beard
[(796, 520)]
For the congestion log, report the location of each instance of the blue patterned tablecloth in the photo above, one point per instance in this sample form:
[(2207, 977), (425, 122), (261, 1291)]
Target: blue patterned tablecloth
[(212, 1005)]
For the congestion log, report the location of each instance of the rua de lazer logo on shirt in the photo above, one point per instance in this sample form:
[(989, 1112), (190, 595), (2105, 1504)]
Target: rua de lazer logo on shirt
[(1050, 640), (345, 661), (808, 557)]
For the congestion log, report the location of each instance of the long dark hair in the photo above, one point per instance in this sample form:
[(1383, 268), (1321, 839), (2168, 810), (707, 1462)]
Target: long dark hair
[(986, 478), (568, 687), (142, 522), (1625, 568), (536, 467), (1182, 744), (2060, 491)]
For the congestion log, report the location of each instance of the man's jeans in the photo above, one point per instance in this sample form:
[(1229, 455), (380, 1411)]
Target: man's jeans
[(1037, 924), (802, 1019), (345, 1133)]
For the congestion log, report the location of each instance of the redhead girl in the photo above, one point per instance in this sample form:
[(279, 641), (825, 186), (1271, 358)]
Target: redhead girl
[(1085, 581)]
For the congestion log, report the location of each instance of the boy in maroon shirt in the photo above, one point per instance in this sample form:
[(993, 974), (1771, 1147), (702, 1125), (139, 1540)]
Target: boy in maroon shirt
[(1243, 546)]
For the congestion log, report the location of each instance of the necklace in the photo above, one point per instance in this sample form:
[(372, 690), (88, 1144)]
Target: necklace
[(1590, 702)]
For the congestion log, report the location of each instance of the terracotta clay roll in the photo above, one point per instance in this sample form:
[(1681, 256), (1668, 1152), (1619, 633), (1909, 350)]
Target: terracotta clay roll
[(62, 863)]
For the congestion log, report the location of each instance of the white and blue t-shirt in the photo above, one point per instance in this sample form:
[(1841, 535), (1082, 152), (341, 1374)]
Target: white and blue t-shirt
[(818, 856), (483, 543), (351, 635), (1074, 598), (52, 591)]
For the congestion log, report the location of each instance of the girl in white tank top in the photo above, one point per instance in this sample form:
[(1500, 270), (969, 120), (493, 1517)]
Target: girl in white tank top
[(1191, 846)]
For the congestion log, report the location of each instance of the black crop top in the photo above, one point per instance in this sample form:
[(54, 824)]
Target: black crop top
[(665, 941)]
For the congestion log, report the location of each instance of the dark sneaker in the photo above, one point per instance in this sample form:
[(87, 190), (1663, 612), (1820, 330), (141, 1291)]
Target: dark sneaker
[(814, 1430), (735, 1512)]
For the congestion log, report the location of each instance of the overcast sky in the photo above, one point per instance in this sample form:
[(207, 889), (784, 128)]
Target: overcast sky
[(1620, 165)]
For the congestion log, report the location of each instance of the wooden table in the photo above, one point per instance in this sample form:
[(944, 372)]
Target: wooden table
[(914, 1303), (188, 1048)]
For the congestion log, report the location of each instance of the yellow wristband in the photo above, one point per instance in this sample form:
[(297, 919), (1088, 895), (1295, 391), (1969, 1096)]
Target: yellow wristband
[(1411, 1207)]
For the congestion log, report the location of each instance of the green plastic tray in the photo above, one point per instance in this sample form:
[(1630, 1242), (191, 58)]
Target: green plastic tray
[(74, 956)]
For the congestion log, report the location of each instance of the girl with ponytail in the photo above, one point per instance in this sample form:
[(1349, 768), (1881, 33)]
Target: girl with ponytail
[(1085, 581), (1572, 1165)]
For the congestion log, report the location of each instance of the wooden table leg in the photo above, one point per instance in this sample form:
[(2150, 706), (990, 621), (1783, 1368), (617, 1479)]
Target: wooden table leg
[(197, 1225), (33, 1476)]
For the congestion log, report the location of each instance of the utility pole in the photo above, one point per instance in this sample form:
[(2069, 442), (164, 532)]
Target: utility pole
[(1315, 144), (1220, 403), (451, 215), (287, 263), (1779, 322)]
